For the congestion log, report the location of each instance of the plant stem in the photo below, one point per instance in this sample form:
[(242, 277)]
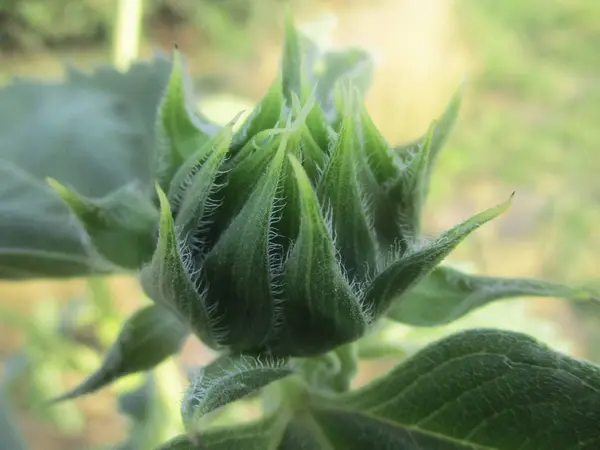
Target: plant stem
[(127, 33)]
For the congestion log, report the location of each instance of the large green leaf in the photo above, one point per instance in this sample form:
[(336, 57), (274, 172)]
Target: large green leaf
[(92, 133), (447, 294), (149, 337), (480, 389)]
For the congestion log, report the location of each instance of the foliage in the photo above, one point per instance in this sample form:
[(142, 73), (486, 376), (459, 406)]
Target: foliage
[(31, 25), (99, 145), (283, 242)]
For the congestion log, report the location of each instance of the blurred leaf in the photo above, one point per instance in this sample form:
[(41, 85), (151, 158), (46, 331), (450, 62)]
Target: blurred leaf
[(448, 294), (120, 225), (152, 415), (291, 63), (354, 65), (137, 403), (149, 337), (12, 438), (479, 389), (92, 133)]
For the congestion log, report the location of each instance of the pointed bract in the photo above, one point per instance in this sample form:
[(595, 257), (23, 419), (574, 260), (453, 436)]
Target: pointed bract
[(405, 273), (180, 129), (267, 114), (320, 309), (173, 280), (242, 266), (341, 195)]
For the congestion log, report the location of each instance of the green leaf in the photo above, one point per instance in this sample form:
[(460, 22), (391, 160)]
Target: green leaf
[(100, 142), (120, 225), (400, 276), (262, 434), (265, 115), (180, 130), (480, 389), (173, 280), (227, 380), (241, 268), (447, 294), (321, 311), (291, 63), (340, 193), (148, 337)]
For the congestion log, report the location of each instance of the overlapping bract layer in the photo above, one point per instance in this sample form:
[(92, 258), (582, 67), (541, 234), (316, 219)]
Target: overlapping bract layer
[(293, 233)]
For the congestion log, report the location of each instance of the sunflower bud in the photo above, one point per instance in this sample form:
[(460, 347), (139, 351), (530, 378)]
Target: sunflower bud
[(293, 234)]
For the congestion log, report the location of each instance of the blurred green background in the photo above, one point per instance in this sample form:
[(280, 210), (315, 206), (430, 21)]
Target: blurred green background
[(530, 122)]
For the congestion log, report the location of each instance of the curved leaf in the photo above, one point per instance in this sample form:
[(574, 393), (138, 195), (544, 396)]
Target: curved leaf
[(481, 389), (149, 337), (341, 194), (226, 380), (321, 311), (244, 257), (447, 294), (173, 281)]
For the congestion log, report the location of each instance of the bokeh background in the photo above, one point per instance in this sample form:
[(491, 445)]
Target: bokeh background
[(530, 122)]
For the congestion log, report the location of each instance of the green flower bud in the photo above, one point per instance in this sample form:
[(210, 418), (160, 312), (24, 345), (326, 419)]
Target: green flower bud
[(292, 235)]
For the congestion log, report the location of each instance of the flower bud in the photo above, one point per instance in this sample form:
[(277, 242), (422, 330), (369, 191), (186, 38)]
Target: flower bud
[(292, 235)]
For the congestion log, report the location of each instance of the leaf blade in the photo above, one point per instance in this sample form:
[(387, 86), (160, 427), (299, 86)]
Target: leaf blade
[(473, 386), (447, 294)]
